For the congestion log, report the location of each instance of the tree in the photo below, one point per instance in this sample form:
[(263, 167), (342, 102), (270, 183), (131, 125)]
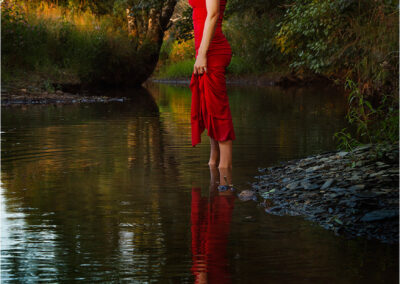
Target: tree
[(147, 22)]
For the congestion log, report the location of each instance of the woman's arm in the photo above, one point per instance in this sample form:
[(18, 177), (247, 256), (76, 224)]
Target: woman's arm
[(209, 29)]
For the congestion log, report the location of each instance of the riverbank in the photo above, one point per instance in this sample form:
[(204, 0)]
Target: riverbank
[(355, 194), (266, 79), (37, 90), (23, 97)]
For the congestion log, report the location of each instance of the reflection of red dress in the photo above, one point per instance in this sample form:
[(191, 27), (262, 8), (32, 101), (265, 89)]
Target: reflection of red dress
[(210, 106), (210, 230)]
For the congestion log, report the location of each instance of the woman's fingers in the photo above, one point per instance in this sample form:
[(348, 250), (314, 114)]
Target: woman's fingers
[(199, 70)]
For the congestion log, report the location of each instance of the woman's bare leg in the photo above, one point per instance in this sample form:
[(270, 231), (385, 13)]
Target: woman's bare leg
[(225, 176), (214, 153), (225, 149)]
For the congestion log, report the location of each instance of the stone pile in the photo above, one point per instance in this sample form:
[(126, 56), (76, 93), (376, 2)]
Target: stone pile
[(24, 97), (353, 193)]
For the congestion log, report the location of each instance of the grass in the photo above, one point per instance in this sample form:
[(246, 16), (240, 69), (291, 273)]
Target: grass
[(181, 69), (48, 38)]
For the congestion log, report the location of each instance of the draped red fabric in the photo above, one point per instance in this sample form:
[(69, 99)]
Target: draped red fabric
[(210, 231), (210, 105)]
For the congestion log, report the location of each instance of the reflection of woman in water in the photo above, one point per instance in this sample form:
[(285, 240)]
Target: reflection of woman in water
[(211, 217), (210, 105)]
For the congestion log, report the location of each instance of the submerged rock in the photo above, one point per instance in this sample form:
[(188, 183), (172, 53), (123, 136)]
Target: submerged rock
[(246, 195)]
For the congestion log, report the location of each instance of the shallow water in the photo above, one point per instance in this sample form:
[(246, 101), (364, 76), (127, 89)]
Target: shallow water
[(116, 193)]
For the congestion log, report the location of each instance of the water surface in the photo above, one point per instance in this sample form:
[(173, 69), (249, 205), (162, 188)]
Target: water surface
[(115, 193)]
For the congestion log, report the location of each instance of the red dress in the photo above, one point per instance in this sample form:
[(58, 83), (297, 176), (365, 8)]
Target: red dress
[(210, 106)]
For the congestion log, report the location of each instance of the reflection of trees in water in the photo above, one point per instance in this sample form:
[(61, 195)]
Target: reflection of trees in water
[(297, 121), (95, 188)]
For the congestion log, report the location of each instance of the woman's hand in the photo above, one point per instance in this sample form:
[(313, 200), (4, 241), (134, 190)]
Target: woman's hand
[(200, 66)]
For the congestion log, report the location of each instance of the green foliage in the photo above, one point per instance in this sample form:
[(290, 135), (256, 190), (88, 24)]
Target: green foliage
[(309, 32), (345, 140), (240, 65), (373, 125), (100, 52), (250, 38), (181, 69), (48, 86), (329, 37), (184, 27), (20, 37), (261, 7), (357, 43)]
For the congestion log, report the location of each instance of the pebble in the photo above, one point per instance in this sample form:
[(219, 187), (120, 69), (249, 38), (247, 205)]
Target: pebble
[(379, 215), (327, 184), (246, 195)]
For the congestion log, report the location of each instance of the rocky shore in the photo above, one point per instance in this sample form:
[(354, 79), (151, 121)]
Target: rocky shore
[(355, 194), (27, 97)]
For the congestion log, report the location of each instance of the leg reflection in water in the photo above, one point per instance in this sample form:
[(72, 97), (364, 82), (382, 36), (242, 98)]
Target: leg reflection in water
[(211, 217)]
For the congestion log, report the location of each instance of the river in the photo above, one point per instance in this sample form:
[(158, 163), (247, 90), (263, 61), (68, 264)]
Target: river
[(115, 193)]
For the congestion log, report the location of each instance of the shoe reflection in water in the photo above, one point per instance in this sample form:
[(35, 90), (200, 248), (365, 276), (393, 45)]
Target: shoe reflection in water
[(211, 217)]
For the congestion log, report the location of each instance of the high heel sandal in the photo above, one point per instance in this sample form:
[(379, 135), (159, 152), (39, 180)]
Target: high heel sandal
[(225, 187)]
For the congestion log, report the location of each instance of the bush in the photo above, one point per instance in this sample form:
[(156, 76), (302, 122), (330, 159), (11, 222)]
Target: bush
[(251, 38), (36, 37), (180, 69), (347, 39), (373, 125)]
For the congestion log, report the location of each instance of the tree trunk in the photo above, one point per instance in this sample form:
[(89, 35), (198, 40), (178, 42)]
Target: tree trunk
[(148, 27)]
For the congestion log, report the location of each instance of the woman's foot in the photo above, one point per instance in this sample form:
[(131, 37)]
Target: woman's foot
[(225, 177)]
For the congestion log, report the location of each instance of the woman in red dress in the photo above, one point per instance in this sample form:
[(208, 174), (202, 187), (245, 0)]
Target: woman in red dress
[(210, 106)]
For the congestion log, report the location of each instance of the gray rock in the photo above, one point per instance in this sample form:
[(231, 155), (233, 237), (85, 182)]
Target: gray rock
[(327, 183), (377, 173), (350, 192), (292, 185), (246, 195), (379, 215), (354, 177), (309, 186), (335, 194), (342, 154), (272, 209), (357, 187), (359, 163), (368, 194), (362, 147)]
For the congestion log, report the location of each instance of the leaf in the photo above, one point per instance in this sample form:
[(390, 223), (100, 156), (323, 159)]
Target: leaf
[(369, 105)]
